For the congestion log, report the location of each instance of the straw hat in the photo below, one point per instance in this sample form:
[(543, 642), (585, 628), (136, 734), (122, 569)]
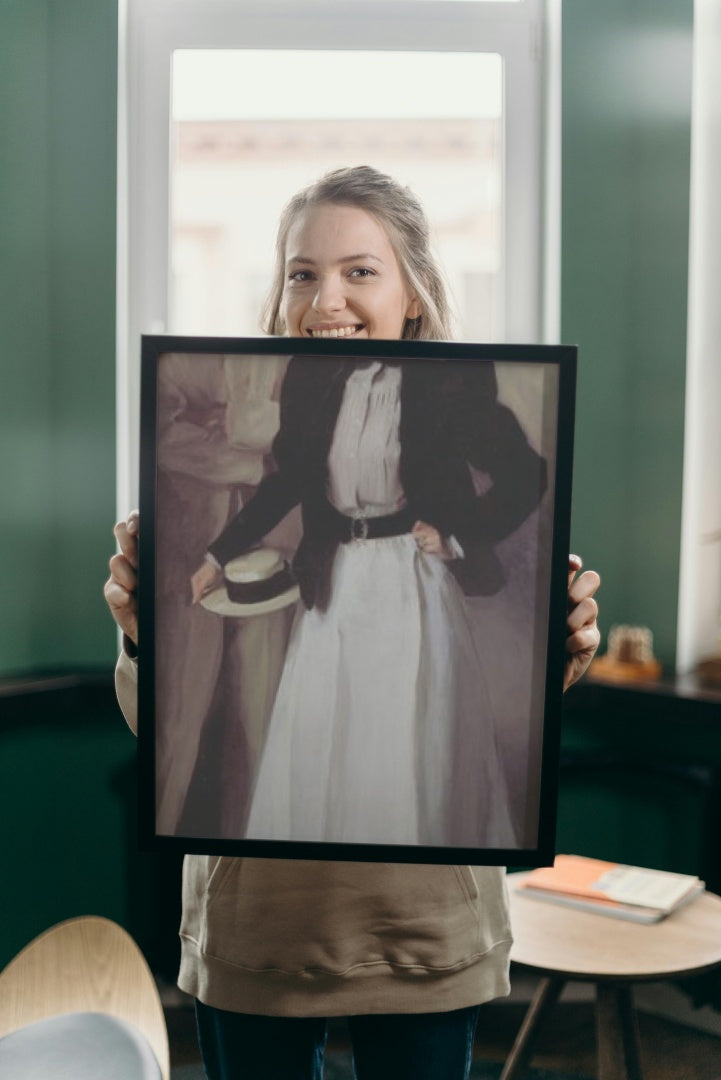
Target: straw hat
[(255, 584)]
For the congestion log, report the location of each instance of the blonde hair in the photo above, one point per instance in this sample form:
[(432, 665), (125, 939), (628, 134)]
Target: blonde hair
[(403, 217)]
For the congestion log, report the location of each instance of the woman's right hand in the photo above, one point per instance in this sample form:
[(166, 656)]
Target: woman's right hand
[(121, 587), (205, 578)]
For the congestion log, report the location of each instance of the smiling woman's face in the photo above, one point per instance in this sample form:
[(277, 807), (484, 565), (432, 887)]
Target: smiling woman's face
[(342, 277)]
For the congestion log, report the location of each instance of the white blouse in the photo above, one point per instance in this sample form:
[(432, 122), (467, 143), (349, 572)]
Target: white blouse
[(365, 451)]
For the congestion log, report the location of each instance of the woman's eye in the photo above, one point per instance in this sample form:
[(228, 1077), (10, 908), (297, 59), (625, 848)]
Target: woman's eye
[(362, 272), (300, 276)]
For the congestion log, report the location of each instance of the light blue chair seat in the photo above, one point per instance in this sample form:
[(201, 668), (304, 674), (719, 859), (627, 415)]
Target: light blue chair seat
[(78, 1046)]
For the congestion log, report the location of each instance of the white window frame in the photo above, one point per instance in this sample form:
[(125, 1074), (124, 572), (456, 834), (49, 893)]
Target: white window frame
[(699, 597), (526, 34)]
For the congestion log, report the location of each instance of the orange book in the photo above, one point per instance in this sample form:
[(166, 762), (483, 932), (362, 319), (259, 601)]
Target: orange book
[(612, 888)]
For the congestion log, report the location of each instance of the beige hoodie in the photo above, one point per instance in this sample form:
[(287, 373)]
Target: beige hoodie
[(286, 937)]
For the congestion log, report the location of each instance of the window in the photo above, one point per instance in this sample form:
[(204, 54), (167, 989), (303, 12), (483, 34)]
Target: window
[(235, 161), (227, 107)]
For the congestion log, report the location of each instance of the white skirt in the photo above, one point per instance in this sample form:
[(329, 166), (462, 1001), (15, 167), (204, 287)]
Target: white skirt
[(381, 731)]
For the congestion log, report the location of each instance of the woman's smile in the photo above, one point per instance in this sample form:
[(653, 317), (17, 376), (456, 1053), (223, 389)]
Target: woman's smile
[(334, 331)]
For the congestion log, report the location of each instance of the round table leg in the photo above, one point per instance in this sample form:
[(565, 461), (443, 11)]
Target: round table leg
[(545, 997), (617, 1033)]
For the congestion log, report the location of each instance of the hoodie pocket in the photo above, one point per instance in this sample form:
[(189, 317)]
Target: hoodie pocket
[(332, 917), (203, 875), (468, 884)]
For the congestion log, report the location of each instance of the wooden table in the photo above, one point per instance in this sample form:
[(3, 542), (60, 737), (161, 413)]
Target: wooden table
[(563, 944)]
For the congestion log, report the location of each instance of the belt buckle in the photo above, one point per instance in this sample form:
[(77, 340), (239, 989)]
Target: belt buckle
[(359, 528)]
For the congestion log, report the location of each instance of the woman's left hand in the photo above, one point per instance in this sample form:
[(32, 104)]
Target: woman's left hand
[(428, 539), (582, 633)]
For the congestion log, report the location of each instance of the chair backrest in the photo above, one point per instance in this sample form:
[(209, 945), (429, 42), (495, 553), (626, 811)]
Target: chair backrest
[(87, 964)]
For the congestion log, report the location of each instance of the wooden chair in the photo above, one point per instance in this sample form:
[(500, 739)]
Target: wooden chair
[(87, 967)]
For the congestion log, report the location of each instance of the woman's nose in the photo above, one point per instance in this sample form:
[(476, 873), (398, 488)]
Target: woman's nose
[(329, 296)]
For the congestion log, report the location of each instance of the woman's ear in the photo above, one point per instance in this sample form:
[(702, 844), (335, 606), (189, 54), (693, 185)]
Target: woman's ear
[(415, 309)]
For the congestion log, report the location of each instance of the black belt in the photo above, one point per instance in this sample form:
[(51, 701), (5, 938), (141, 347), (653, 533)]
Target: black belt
[(373, 528)]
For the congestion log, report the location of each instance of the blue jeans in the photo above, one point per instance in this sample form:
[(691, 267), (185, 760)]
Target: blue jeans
[(415, 1046)]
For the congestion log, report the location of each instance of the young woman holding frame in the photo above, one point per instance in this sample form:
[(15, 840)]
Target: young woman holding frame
[(408, 953)]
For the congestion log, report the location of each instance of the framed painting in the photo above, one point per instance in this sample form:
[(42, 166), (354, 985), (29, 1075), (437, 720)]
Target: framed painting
[(352, 597)]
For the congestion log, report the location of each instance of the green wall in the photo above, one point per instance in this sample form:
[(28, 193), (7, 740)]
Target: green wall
[(625, 167), (66, 759), (58, 74), (68, 800)]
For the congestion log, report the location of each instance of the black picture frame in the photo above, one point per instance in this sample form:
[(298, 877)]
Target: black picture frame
[(517, 631)]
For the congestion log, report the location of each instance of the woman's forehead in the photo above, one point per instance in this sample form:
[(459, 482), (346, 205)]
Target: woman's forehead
[(331, 230)]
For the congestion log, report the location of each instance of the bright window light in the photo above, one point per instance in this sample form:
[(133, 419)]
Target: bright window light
[(238, 156)]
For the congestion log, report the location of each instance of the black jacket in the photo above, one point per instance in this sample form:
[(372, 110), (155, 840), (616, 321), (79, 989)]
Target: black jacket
[(450, 419)]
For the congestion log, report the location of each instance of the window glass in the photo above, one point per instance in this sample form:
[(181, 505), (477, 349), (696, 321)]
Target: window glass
[(251, 127)]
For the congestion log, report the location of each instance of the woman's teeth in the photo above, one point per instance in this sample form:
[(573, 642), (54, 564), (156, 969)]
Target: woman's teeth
[(336, 332)]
